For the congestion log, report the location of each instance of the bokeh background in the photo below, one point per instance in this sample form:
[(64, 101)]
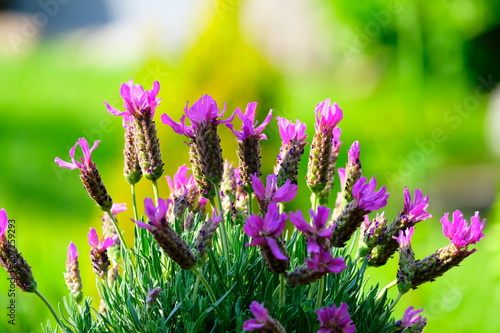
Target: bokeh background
[(416, 81)]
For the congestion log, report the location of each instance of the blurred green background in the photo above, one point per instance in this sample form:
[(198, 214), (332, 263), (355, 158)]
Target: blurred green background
[(416, 81)]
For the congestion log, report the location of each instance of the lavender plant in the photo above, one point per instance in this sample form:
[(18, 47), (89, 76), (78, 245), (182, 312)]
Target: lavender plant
[(230, 266)]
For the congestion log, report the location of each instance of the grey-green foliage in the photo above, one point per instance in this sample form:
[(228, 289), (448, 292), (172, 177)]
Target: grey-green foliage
[(176, 310)]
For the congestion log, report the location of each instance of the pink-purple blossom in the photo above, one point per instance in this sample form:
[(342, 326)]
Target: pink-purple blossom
[(460, 232), (72, 252), (267, 230), (249, 125), (353, 154), (335, 320), (317, 230), (85, 161), (325, 263), (4, 222), (415, 211), (203, 111), (261, 317), (341, 173), (273, 193), (327, 116), (411, 318), (291, 132), (136, 100), (100, 245), (118, 208), (366, 197), (157, 215), (404, 238), (180, 182)]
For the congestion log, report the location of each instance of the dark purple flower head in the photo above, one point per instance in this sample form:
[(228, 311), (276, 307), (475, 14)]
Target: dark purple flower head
[(335, 320), (181, 182), (415, 211), (157, 215), (366, 197), (327, 116), (271, 193), (203, 111), (410, 318), (136, 101), (72, 253), (353, 154), (460, 232), (85, 161), (249, 126), (4, 222), (325, 263), (100, 245), (314, 231), (266, 230), (261, 317), (404, 238), (291, 132)]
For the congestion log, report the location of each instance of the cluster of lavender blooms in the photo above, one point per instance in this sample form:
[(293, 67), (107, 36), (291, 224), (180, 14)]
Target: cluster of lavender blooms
[(231, 192)]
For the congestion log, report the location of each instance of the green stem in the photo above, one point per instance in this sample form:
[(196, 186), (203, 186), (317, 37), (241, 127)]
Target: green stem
[(196, 286), (321, 290), (63, 328), (282, 290), (134, 203), (249, 203), (156, 191), (211, 294), (387, 287), (314, 201), (225, 242), (115, 223), (395, 301)]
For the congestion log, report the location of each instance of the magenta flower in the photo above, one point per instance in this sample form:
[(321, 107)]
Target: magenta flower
[(327, 116), (85, 161), (266, 230), (325, 263), (203, 111), (157, 215), (136, 100), (100, 245), (72, 253), (118, 208), (335, 320), (366, 197), (272, 193), (262, 322), (404, 238), (4, 222), (460, 232), (181, 181), (291, 132), (410, 318), (248, 127), (353, 154), (415, 211), (316, 233)]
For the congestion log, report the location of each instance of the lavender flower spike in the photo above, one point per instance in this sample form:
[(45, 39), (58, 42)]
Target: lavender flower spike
[(415, 211), (266, 233), (317, 235), (336, 143), (249, 144), (366, 197), (136, 100), (169, 240), (13, 262), (335, 320), (272, 193), (460, 232), (72, 275), (407, 266), (291, 151), (411, 322), (204, 146), (89, 175), (262, 322), (99, 253)]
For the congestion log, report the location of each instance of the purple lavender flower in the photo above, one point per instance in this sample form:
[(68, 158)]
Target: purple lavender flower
[(291, 132), (291, 151), (324, 262), (180, 181), (4, 223), (72, 252), (100, 245), (415, 211), (157, 215), (366, 197), (317, 235), (272, 193), (266, 230), (85, 161), (202, 112), (460, 232), (99, 253), (353, 154), (72, 275), (411, 320), (327, 116), (404, 238), (249, 125), (262, 322), (136, 100), (335, 320)]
